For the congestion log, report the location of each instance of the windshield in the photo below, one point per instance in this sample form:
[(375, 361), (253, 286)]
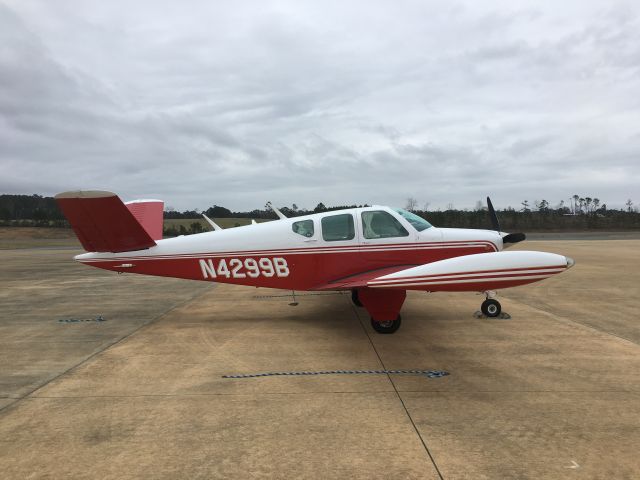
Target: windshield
[(417, 222)]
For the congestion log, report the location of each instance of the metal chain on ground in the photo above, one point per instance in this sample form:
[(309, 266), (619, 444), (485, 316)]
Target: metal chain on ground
[(427, 373), (99, 318)]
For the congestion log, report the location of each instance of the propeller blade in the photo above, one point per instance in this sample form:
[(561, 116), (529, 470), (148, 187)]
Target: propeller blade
[(492, 214), (514, 238), (510, 237)]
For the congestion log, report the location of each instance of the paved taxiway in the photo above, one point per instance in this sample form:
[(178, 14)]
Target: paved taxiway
[(552, 393)]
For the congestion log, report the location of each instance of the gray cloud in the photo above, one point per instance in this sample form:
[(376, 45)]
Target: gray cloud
[(340, 102)]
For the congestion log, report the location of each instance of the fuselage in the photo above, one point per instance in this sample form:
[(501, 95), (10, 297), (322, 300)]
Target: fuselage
[(302, 253)]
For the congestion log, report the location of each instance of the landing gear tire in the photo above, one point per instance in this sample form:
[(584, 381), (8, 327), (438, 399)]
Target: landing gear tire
[(491, 307), (354, 298), (388, 326)]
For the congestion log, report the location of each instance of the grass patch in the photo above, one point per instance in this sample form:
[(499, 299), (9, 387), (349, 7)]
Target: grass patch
[(36, 237)]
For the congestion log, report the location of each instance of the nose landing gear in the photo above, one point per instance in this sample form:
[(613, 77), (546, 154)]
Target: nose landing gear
[(491, 307)]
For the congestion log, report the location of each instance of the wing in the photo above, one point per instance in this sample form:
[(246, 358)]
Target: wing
[(479, 272), (361, 279)]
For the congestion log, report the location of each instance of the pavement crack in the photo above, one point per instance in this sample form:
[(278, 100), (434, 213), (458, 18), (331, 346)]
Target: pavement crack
[(406, 410), (101, 350), (211, 394), (557, 316)]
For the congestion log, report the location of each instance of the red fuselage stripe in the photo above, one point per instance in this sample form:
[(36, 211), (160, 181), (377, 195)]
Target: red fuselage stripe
[(479, 273), (308, 250), (481, 278)]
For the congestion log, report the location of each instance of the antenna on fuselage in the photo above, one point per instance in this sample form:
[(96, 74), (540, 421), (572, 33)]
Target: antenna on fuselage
[(294, 302), (277, 212), (213, 224)]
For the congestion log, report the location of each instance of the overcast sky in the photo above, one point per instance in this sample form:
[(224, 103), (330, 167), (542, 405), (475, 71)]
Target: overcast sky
[(239, 102)]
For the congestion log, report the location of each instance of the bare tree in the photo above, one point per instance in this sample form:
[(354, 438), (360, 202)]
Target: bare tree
[(412, 204), (542, 205), (629, 205), (587, 204), (426, 206), (479, 206)]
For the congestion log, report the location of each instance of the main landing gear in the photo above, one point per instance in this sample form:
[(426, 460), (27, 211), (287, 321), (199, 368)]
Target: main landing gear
[(354, 298), (491, 307), (383, 305)]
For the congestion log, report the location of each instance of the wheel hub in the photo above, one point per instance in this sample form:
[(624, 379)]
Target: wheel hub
[(386, 326)]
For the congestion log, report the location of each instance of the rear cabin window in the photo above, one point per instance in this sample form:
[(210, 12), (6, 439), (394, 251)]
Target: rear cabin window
[(380, 224), (303, 227), (338, 227)]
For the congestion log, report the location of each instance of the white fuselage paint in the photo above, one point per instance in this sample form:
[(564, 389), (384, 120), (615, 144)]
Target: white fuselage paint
[(277, 236)]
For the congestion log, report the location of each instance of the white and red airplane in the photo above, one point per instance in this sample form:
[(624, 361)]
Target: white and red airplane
[(378, 253)]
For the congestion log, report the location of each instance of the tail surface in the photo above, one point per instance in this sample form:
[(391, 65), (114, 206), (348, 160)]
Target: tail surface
[(103, 223), (149, 214)]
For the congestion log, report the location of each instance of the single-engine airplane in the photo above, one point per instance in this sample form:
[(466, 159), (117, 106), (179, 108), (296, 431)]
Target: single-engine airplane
[(377, 253)]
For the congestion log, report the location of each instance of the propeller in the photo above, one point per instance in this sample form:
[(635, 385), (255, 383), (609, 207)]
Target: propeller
[(492, 214), (495, 223)]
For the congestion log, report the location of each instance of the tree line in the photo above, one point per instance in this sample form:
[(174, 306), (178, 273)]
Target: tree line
[(30, 210), (577, 213), (266, 213)]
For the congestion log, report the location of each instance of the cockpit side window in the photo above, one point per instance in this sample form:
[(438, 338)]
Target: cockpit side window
[(338, 227), (381, 224), (303, 227)]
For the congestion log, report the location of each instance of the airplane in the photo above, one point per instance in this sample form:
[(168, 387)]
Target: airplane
[(377, 253)]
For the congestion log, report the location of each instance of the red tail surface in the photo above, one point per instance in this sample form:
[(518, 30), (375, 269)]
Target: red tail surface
[(149, 213), (102, 222)]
